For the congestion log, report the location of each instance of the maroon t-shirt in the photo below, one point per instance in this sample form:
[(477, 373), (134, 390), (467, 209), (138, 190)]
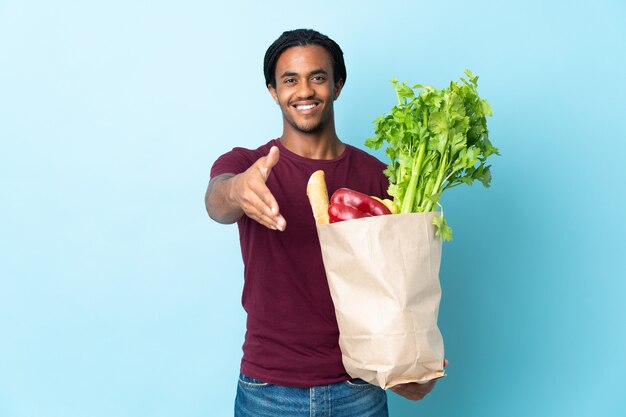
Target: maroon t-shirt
[(291, 333)]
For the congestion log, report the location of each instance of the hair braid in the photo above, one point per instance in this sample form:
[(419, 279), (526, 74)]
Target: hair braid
[(302, 37)]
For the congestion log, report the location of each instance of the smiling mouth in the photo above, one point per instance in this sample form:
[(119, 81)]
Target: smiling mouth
[(305, 106)]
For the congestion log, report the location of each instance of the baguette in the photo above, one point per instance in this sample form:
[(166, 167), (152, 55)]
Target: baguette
[(318, 197)]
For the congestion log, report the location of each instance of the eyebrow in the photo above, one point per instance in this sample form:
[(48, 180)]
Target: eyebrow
[(314, 72)]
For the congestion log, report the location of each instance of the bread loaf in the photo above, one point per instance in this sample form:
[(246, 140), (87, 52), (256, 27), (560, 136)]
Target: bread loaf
[(318, 196)]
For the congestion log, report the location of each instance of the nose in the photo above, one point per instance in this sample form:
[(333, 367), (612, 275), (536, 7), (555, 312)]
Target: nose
[(305, 90)]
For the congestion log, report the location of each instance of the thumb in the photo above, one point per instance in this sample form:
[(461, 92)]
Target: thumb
[(266, 163)]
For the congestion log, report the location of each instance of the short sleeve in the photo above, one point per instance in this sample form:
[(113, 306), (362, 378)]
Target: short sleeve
[(234, 162)]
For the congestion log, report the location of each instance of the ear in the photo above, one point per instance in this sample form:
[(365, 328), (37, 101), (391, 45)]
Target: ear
[(338, 87), (272, 91)]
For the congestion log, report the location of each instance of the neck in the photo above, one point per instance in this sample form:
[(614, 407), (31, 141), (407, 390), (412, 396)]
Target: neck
[(313, 146)]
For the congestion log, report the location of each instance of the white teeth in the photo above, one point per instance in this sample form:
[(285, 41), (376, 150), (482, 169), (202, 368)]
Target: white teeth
[(307, 107)]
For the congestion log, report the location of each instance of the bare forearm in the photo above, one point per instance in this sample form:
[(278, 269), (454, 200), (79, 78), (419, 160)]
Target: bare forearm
[(220, 206)]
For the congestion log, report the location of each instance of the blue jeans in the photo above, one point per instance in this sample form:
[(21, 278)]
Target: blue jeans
[(343, 399)]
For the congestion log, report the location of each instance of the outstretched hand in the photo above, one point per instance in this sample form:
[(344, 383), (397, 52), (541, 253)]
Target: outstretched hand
[(414, 391), (253, 196)]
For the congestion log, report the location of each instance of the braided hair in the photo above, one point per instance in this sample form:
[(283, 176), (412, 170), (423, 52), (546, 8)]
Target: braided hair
[(302, 37)]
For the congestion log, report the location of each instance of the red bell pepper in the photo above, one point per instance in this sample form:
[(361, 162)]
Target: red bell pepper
[(346, 204)]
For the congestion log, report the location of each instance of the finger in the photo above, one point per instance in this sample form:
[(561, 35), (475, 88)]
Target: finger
[(396, 388), (273, 222), (267, 199), (264, 209), (267, 221), (409, 392), (272, 157), (266, 163), (445, 363), (264, 221), (281, 223), (257, 209), (271, 205)]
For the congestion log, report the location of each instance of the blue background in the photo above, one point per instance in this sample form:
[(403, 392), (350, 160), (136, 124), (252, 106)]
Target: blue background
[(119, 297)]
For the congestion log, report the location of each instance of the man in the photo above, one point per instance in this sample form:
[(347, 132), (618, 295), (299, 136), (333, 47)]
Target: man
[(291, 363)]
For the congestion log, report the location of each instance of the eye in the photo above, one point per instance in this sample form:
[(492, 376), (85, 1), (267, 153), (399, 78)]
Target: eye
[(318, 78), (289, 80)]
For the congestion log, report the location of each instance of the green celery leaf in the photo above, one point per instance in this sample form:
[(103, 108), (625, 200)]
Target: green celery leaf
[(486, 108), (442, 230), (375, 142), (437, 122)]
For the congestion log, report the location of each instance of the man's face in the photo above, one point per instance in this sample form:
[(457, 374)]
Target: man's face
[(305, 88)]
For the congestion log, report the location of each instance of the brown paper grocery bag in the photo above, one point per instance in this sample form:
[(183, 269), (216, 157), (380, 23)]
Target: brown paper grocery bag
[(383, 274)]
